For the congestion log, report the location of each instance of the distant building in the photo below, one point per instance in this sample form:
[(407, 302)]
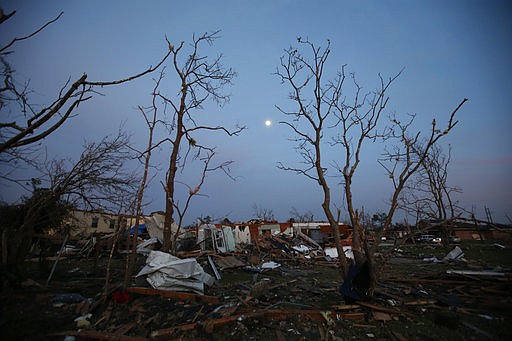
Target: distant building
[(319, 232), (85, 223)]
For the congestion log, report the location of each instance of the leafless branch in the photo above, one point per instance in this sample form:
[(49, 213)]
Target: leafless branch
[(14, 40)]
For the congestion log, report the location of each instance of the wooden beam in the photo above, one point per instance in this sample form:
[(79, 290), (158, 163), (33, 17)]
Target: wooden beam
[(174, 294), (99, 335)]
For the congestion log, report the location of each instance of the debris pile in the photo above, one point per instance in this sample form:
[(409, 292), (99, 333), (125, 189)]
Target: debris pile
[(283, 287)]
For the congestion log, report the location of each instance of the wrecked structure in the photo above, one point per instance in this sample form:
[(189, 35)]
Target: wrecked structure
[(85, 223), (317, 233), (466, 229), (278, 281), (283, 286)]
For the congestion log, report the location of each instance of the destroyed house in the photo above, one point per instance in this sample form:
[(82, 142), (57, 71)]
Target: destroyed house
[(483, 232), (467, 229), (86, 223), (246, 233), (216, 236)]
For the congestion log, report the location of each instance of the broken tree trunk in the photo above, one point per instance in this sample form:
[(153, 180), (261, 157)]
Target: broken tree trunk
[(62, 247)]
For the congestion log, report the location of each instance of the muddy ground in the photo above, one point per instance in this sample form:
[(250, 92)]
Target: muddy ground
[(416, 299)]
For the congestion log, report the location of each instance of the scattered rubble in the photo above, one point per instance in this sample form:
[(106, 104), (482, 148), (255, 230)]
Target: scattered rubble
[(284, 287)]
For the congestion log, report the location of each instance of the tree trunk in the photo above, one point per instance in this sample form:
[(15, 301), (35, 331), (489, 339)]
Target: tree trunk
[(354, 220), (169, 195), (173, 168)]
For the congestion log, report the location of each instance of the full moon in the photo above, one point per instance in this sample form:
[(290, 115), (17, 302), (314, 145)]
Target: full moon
[(268, 123)]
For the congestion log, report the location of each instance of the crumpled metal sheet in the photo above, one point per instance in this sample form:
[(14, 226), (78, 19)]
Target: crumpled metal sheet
[(167, 272), (454, 254)]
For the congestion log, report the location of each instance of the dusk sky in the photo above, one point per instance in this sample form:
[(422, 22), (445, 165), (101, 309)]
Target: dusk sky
[(449, 50)]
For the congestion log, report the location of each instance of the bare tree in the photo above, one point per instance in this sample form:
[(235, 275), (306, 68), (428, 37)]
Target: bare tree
[(328, 111), (310, 119), (428, 195), (358, 122), (410, 153), (151, 118), (200, 79), (96, 180), (305, 217), (207, 168), (23, 124), (99, 176), (262, 213)]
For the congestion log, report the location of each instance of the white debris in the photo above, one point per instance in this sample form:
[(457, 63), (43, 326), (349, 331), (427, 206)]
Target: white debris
[(143, 247), (431, 259), (167, 272), (301, 248), (476, 273), (270, 265), (454, 254), (333, 252)]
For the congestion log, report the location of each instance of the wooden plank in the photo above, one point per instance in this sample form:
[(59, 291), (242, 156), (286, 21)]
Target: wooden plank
[(125, 328), (98, 335), (208, 325), (345, 307), (315, 315), (381, 316), (174, 294), (383, 309), (214, 268), (274, 314), (462, 280), (353, 316), (397, 336), (420, 302)]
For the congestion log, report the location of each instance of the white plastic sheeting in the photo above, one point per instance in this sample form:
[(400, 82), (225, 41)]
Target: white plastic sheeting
[(167, 272), (143, 247), (155, 226)]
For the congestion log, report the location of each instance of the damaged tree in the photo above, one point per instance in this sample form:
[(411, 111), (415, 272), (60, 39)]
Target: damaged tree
[(299, 217), (96, 180), (312, 116), (35, 214), (429, 196), (262, 213), (324, 113), (23, 125), (151, 119), (200, 79), (411, 155), (357, 122)]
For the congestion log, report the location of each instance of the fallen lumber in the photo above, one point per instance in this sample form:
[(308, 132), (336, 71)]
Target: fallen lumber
[(98, 335), (345, 306), (274, 314), (476, 273), (381, 316), (174, 294), (316, 315), (207, 325), (125, 328), (383, 309), (420, 302), (425, 280)]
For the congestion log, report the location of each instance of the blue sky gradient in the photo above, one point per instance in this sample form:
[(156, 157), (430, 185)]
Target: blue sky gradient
[(449, 49)]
